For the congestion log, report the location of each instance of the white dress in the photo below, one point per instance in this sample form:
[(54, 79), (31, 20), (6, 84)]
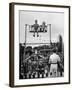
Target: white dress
[(54, 58)]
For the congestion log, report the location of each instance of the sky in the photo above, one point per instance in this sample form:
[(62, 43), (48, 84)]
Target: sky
[(54, 18)]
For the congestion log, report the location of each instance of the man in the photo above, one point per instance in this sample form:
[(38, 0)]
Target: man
[(53, 61), (43, 27), (35, 26)]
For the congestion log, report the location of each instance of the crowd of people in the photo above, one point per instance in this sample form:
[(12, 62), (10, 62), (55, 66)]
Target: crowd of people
[(36, 62)]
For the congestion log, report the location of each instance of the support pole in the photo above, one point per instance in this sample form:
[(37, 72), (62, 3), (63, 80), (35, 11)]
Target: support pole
[(25, 39), (50, 32), (25, 44), (25, 33)]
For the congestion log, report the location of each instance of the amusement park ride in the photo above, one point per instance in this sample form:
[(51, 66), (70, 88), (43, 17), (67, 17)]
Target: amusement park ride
[(38, 58), (36, 65), (40, 29)]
